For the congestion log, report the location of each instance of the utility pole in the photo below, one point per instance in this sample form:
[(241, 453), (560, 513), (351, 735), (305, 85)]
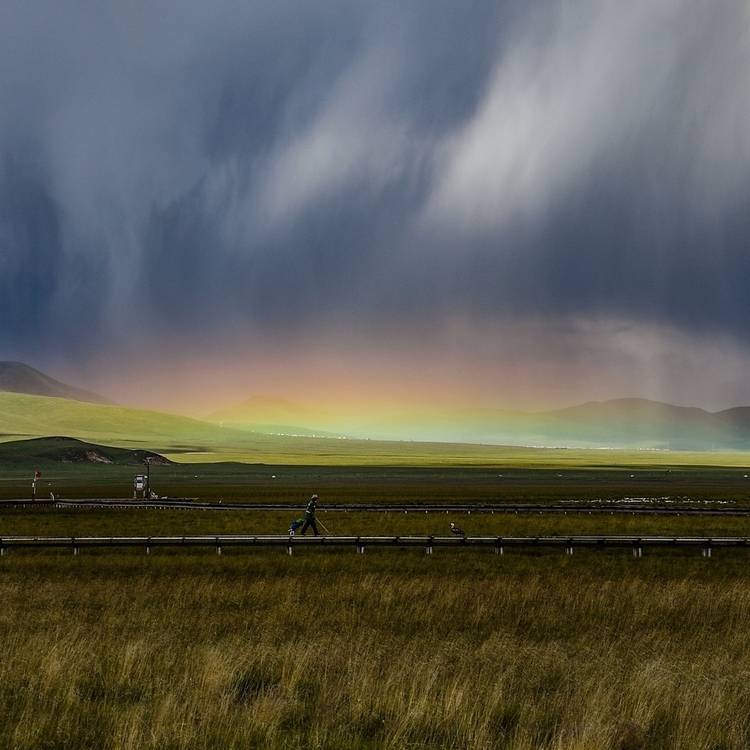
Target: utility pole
[(147, 461)]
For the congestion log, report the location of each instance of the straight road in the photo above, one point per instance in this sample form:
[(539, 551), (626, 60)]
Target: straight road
[(657, 507)]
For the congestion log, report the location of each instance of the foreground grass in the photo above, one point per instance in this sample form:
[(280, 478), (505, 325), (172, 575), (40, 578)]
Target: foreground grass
[(394, 650)]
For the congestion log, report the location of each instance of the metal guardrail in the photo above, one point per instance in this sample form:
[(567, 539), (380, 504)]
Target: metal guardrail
[(360, 543), (587, 508)]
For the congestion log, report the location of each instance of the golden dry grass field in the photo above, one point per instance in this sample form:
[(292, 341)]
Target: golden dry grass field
[(390, 649)]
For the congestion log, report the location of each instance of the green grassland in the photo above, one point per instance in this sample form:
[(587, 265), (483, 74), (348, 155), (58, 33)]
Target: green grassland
[(193, 441), (292, 484), (340, 452), (392, 650), (22, 415)]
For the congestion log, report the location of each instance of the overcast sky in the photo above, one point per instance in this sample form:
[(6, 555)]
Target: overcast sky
[(508, 202)]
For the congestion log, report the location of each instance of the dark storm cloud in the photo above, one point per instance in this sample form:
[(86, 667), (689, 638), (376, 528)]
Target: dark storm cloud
[(183, 168)]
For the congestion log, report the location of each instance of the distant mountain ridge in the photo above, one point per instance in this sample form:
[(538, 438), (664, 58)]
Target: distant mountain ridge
[(17, 377), (617, 423)]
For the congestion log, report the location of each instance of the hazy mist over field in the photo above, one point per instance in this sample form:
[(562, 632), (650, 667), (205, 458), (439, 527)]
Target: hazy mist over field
[(514, 204)]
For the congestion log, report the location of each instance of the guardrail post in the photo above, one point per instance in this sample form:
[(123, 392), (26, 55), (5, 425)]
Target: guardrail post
[(498, 546), (706, 552), (637, 551), (428, 549), (360, 547), (289, 547), (569, 549), (2, 550), (218, 549)]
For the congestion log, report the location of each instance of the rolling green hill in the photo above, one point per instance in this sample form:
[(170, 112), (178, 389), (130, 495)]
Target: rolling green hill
[(23, 415)]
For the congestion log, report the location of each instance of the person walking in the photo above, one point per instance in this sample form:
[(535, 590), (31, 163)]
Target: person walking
[(312, 504)]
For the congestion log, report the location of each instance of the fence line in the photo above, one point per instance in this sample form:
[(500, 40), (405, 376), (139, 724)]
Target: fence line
[(583, 508), (360, 543)]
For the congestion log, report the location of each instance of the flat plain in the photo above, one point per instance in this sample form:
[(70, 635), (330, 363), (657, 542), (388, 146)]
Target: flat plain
[(393, 648)]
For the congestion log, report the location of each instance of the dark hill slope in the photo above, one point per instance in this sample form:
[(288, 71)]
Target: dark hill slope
[(17, 377), (51, 450), (738, 418)]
